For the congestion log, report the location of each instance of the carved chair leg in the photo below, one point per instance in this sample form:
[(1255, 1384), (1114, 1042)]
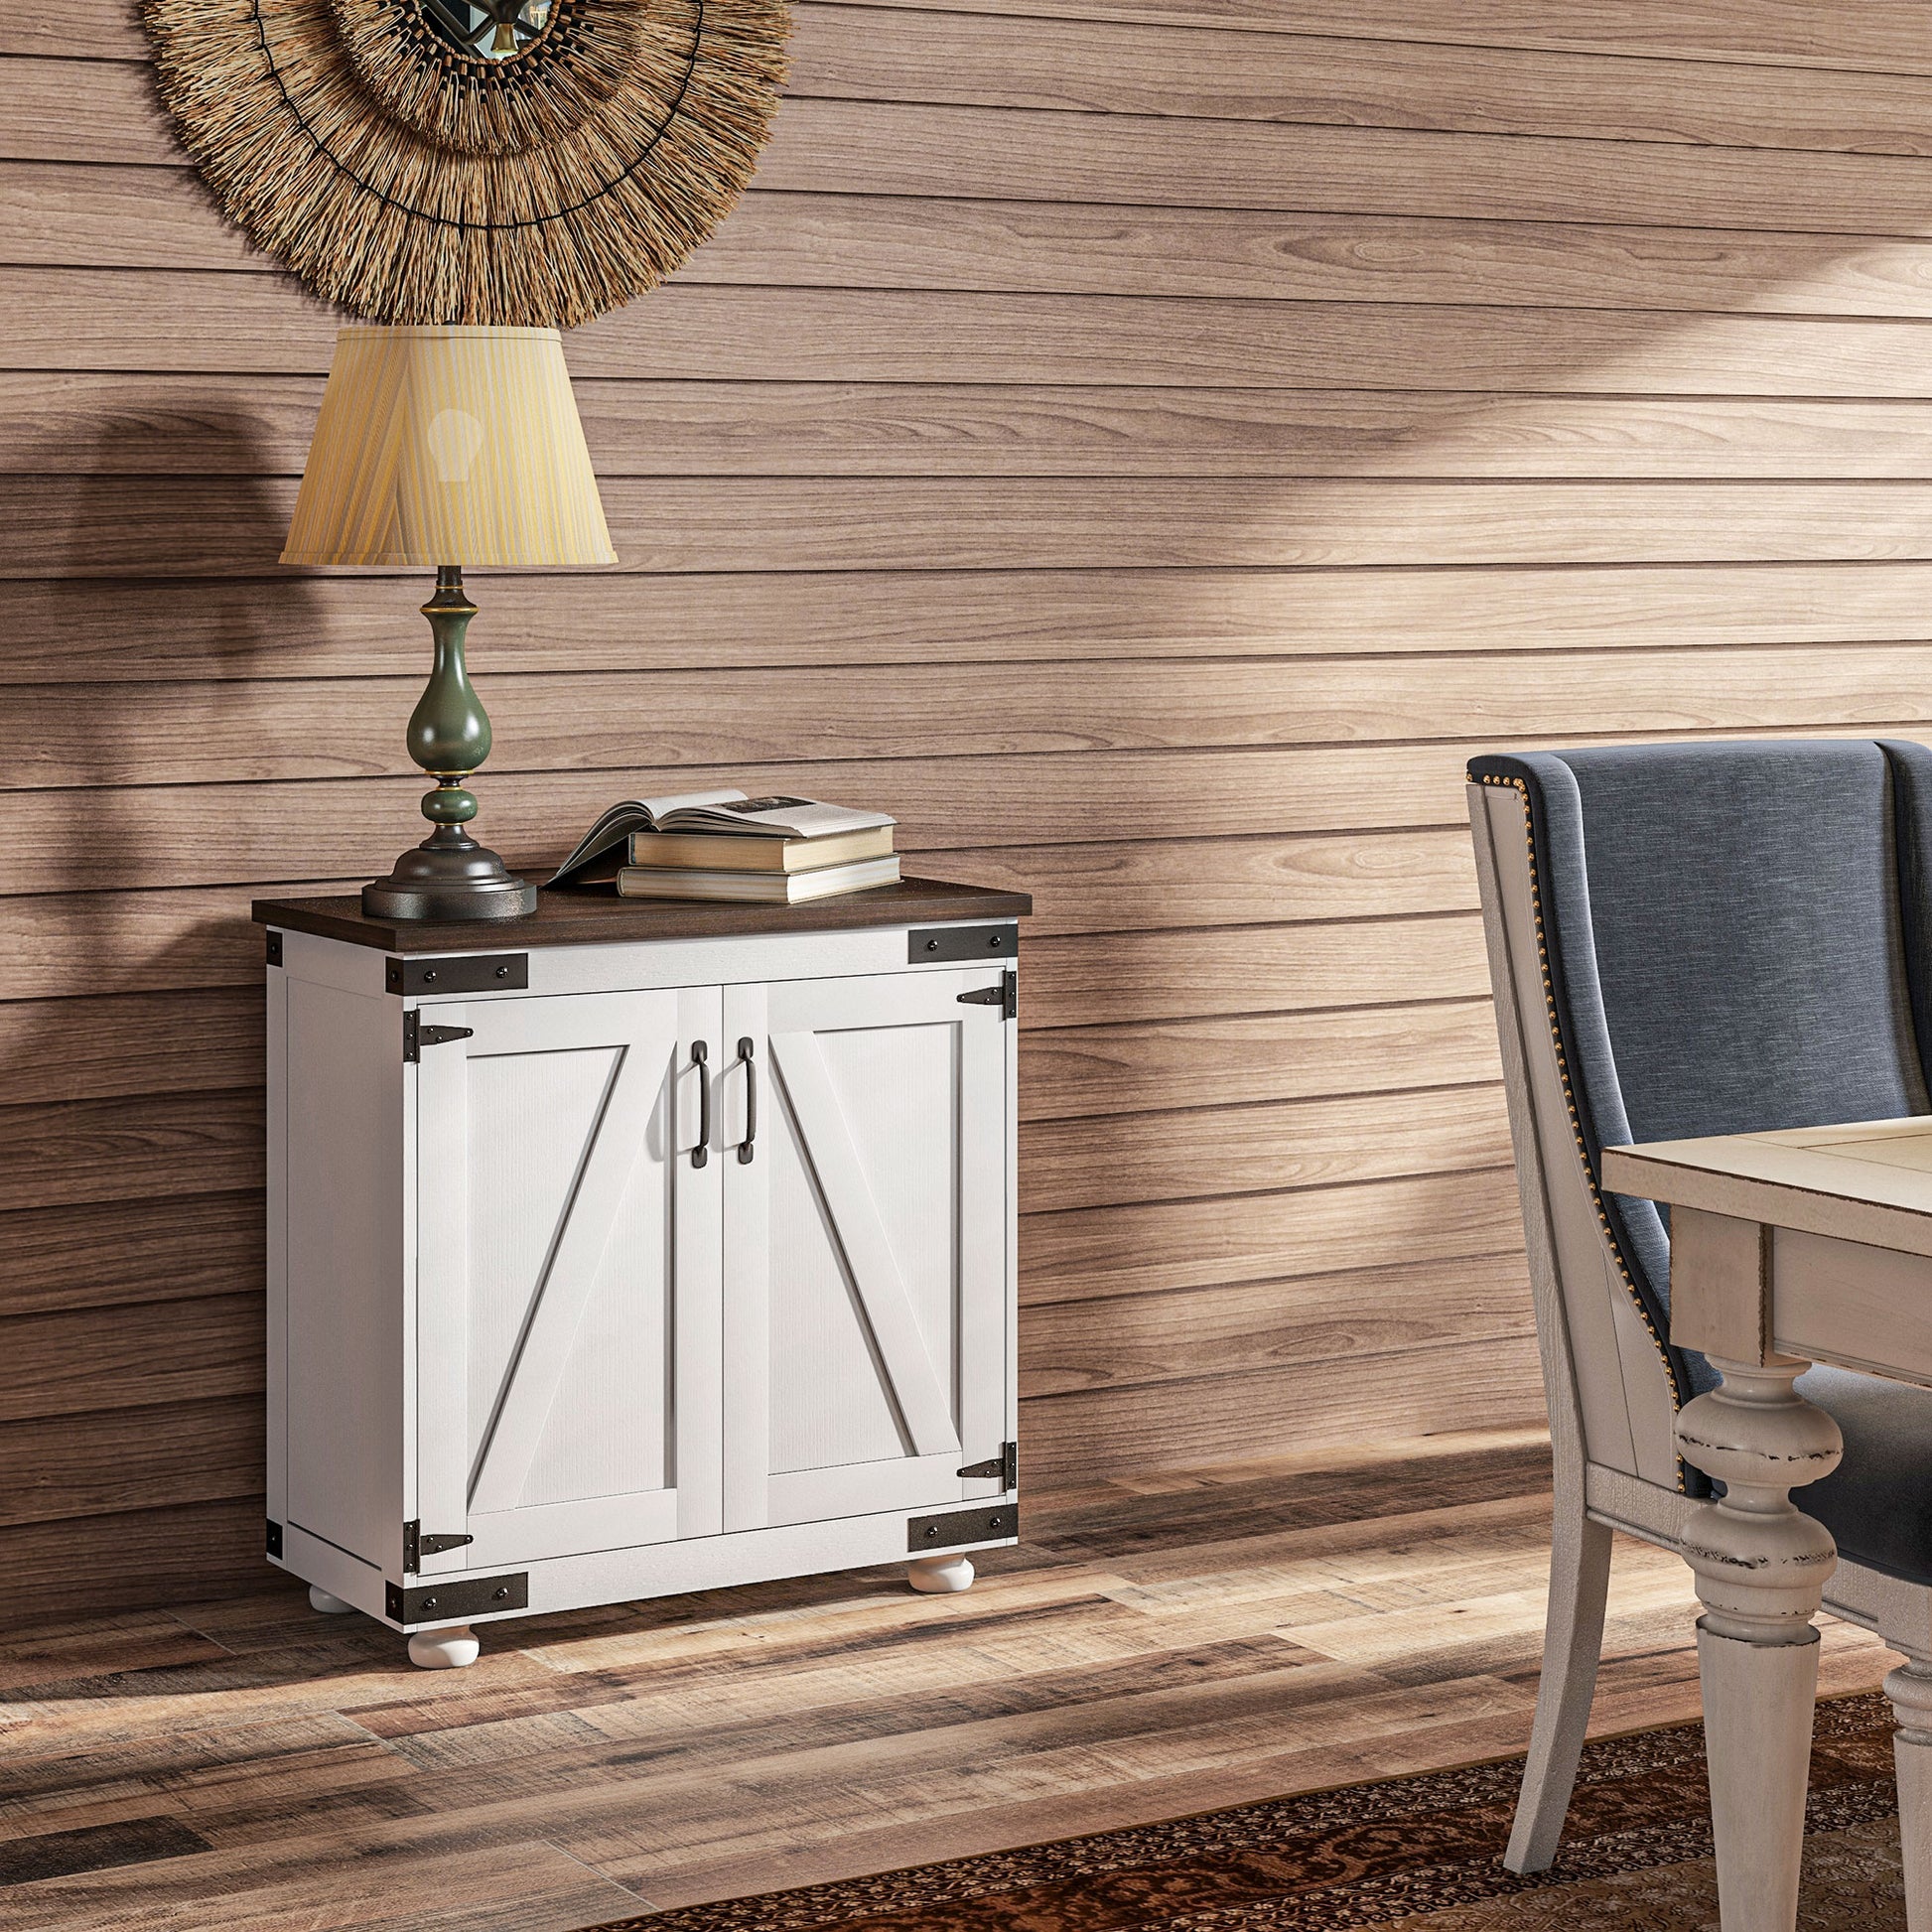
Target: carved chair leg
[(1910, 1691), (1573, 1641), (1762, 1568)]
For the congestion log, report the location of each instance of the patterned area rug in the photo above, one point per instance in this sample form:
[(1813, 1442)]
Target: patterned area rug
[(1417, 1853)]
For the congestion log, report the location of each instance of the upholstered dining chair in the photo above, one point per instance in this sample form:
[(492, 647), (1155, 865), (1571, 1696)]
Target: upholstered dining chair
[(1689, 939)]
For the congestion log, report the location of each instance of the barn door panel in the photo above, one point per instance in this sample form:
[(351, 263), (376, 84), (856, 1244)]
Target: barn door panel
[(865, 1277), (568, 1288)]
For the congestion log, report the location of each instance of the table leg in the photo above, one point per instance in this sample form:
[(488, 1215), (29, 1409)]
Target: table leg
[(1910, 1691), (1761, 1567)]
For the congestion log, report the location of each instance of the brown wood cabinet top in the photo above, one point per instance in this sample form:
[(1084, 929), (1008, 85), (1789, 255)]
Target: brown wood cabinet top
[(587, 917)]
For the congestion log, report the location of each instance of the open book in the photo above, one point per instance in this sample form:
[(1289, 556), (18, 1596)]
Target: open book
[(725, 811)]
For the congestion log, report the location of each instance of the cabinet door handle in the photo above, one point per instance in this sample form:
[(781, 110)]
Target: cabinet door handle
[(744, 1051), (699, 1154)]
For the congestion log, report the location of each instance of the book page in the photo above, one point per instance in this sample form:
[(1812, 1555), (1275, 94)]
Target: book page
[(773, 817), (636, 815)]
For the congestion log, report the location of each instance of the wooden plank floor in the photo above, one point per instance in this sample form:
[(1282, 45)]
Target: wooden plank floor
[(1153, 1648)]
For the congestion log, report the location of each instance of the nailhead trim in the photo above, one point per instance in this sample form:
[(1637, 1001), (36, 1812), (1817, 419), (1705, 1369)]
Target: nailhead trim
[(1521, 788)]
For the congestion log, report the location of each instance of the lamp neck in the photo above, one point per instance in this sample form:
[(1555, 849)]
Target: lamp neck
[(449, 611), (448, 731)]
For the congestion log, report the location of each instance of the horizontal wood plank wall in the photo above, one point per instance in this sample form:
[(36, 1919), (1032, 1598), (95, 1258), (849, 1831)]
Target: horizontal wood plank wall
[(1145, 444)]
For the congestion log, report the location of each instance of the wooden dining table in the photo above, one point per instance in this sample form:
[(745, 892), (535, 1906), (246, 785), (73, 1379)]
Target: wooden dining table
[(1810, 1245)]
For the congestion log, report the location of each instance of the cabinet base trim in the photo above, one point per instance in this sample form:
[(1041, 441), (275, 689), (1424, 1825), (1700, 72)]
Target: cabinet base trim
[(455, 1599), (924, 1534), (647, 1570)]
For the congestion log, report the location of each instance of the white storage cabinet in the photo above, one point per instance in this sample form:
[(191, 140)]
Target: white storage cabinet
[(612, 1266)]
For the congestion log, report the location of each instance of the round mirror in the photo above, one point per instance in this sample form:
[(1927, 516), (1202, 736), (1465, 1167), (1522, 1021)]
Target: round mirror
[(488, 30)]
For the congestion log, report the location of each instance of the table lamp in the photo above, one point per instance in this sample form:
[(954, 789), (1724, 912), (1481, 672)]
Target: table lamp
[(445, 446)]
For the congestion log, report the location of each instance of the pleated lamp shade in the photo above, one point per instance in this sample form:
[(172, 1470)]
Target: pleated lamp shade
[(449, 446)]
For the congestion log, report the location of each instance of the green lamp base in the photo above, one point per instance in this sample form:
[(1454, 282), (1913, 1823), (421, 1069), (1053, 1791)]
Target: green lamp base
[(449, 876)]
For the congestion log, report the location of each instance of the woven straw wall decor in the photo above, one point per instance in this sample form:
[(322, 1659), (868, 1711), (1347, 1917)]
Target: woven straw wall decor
[(521, 163)]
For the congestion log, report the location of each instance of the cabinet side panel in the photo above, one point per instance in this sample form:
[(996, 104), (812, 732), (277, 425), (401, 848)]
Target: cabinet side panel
[(277, 1251), (345, 1164), (983, 1374)]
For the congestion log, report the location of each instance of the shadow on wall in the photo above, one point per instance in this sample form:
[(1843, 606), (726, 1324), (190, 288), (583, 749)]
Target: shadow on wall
[(1458, 456), (98, 735), (1458, 527), (122, 1118)]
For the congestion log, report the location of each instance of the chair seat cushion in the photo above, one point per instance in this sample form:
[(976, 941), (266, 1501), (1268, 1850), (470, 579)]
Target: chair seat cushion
[(1878, 1503)]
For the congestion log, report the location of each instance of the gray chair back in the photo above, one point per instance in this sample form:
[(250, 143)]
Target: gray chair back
[(1709, 938)]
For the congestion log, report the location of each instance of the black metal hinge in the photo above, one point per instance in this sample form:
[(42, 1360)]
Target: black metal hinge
[(1005, 1465), (274, 947), (415, 1036), (274, 1538), (416, 1546), (1005, 996)]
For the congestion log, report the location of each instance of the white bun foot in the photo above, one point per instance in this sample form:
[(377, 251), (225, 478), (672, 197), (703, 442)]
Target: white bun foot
[(320, 1599), (449, 1648), (940, 1576)]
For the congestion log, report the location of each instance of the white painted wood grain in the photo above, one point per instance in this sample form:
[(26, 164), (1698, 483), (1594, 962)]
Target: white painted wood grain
[(345, 1267)]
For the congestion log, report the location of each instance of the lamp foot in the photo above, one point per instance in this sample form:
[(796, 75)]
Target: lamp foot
[(448, 877)]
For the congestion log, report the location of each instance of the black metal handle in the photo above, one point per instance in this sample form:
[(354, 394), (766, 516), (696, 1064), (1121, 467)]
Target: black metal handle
[(699, 1154), (745, 1051)]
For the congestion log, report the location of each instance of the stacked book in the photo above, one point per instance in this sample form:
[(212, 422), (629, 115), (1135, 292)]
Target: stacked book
[(724, 845)]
